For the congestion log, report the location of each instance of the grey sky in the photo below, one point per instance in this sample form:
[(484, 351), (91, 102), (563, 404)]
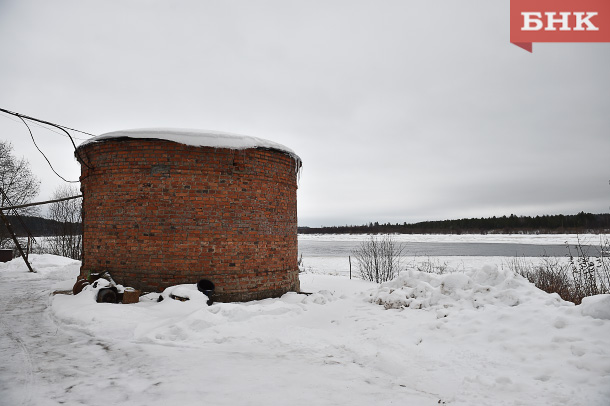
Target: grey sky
[(401, 110)]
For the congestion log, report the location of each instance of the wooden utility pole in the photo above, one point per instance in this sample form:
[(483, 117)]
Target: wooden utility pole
[(10, 228), (15, 240)]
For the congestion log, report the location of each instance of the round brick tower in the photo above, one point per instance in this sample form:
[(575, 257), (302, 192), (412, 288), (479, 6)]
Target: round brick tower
[(163, 207)]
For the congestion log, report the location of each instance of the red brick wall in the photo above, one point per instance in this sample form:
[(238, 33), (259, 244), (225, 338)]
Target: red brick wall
[(159, 213)]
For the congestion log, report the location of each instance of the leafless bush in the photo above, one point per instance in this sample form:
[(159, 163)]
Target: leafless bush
[(591, 275), (552, 276), (430, 266), (603, 263), (519, 265), (379, 259), (582, 276)]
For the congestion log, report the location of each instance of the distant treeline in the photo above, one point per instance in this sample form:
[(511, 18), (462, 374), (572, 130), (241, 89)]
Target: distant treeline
[(38, 226), (554, 224)]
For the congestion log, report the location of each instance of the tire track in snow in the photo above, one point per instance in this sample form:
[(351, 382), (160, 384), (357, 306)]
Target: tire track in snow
[(17, 345), (43, 364)]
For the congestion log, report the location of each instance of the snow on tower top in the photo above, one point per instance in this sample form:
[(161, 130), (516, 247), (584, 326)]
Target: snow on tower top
[(197, 138)]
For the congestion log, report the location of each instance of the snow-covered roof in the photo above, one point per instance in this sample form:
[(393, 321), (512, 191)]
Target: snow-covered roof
[(197, 138)]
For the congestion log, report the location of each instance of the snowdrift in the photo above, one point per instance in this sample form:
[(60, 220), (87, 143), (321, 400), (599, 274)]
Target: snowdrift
[(471, 289)]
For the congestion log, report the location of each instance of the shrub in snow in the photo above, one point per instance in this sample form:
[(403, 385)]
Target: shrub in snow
[(379, 259), (590, 274), (431, 266), (583, 275)]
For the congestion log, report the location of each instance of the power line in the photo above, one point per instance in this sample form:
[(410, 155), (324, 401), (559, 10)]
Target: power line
[(23, 117), (57, 132), (45, 122), (45, 127), (45, 157)]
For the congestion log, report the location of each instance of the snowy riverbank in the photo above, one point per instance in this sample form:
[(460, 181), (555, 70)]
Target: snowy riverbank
[(479, 337)]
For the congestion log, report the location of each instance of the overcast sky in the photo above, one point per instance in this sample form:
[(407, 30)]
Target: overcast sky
[(400, 110)]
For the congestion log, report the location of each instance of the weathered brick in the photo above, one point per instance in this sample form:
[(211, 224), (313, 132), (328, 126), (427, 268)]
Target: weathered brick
[(158, 213)]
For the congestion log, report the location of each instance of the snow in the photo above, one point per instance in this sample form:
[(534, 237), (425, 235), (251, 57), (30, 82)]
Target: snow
[(474, 288), (477, 337), (339, 266), (597, 307), (197, 138), (50, 266), (186, 291)]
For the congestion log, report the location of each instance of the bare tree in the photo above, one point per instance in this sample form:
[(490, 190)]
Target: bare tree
[(68, 238), (18, 183), (379, 259)]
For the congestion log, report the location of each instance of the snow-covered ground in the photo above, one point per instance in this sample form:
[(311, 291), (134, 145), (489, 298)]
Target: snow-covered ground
[(478, 337), (340, 266)]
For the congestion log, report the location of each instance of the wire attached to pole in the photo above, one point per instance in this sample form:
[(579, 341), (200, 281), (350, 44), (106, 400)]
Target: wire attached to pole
[(60, 127), (45, 157)]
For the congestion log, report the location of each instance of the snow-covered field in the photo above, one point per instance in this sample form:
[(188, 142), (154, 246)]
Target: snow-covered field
[(478, 337)]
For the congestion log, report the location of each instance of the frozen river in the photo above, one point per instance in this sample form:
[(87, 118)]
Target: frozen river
[(312, 248), (329, 253)]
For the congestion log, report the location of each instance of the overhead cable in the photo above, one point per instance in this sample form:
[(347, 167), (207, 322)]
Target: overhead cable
[(60, 127), (23, 117), (45, 157)]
